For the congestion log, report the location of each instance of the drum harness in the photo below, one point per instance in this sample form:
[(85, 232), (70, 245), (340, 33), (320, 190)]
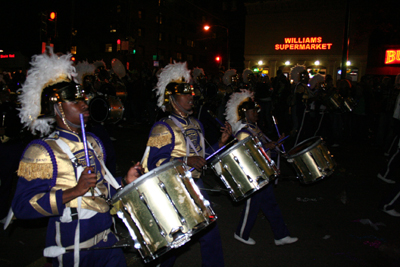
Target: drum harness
[(265, 139), (305, 110), (68, 215), (189, 144)]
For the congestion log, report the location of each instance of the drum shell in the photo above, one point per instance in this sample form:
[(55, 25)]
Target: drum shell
[(121, 91), (107, 109), (334, 101), (349, 104), (311, 160), (146, 218), (249, 175)]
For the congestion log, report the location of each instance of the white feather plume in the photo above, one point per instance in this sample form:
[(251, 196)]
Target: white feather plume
[(231, 111), (99, 63), (246, 73), (82, 69), (171, 72), (295, 72), (227, 78), (316, 79), (196, 73), (47, 69)]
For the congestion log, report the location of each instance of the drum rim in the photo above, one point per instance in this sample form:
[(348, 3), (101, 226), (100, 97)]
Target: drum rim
[(231, 149), (142, 178), (109, 112), (316, 143), (91, 104)]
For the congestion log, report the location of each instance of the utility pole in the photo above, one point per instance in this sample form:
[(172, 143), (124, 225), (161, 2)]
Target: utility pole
[(345, 48)]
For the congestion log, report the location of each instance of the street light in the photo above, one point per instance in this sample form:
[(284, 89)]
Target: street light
[(207, 27)]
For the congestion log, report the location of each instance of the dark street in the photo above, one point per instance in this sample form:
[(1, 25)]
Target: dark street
[(337, 219)]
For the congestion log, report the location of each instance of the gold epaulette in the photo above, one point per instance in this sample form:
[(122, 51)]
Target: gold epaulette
[(35, 164), (32, 171), (159, 141), (160, 136)]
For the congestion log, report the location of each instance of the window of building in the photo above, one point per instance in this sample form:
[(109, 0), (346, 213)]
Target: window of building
[(108, 47), (179, 56), (140, 32), (190, 57), (190, 43), (73, 50), (140, 14), (178, 40), (159, 19), (160, 36)]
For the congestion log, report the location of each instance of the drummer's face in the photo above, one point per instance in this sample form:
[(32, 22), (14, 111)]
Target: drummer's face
[(252, 115), (73, 109), (185, 101)]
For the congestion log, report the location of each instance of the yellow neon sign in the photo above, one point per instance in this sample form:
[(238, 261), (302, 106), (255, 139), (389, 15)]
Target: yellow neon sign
[(392, 57)]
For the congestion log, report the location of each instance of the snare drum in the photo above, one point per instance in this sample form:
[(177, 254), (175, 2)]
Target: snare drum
[(348, 104), (121, 92), (334, 101), (311, 160), (244, 169), (106, 109), (163, 209)]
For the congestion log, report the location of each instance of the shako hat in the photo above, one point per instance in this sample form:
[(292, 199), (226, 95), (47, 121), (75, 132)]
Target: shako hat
[(237, 106), (173, 80), (50, 80)]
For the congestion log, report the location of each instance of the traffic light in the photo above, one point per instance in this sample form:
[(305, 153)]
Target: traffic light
[(132, 45), (52, 16), (218, 59), (43, 22), (73, 59), (118, 44)]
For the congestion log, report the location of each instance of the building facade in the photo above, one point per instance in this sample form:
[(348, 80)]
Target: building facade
[(281, 34)]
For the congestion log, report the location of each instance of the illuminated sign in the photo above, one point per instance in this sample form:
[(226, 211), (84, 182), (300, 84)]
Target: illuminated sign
[(303, 43), (392, 57), (8, 56)]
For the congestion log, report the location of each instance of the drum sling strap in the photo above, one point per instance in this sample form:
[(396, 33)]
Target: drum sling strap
[(57, 251), (266, 139), (189, 142)]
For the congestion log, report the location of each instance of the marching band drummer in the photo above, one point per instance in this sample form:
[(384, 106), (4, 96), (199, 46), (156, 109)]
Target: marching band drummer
[(180, 137), (242, 114), (54, 178)]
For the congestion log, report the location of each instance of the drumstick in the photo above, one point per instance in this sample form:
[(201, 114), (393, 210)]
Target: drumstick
[(215, 117), (283, 139), (85, 147), (216, 152), (277, 130)]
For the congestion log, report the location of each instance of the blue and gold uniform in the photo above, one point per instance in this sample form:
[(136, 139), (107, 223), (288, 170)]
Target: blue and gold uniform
[(241, 113), (263, 199), (45, 171), (167, 142)]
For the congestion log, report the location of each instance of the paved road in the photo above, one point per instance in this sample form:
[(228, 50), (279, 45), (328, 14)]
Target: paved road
[(336, 220)]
